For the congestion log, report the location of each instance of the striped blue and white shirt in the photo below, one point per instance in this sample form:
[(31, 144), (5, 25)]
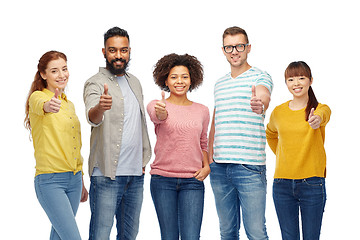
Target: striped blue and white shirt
[(239, 133)]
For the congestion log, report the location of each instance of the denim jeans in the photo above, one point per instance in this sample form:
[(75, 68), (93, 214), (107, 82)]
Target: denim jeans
[(59, 195), (179, 204), (238, 186), (308, 195), (121, 198)]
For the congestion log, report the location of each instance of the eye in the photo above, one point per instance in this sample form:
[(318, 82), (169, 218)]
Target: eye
[(111, 50), (289, 79), (124, 50)]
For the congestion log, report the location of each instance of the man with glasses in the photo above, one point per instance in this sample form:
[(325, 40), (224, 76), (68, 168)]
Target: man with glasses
[(237, 141)]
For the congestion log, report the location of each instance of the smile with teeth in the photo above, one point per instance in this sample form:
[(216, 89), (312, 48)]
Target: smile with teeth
[(61, 81), (179, 87), (298, 89)]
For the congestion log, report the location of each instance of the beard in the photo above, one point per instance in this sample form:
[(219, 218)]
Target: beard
[(114, 69)]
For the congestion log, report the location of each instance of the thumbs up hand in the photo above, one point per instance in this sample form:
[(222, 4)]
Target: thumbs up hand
[(314, 120), (160, 108), (54, 104), (256, 104), (105, 102)]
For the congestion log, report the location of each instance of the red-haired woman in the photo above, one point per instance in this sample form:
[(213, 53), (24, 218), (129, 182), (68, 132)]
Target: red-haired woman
[(55, 131), (296, 134)]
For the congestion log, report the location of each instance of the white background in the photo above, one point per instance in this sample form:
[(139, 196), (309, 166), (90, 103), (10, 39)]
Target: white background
[(322, 33)]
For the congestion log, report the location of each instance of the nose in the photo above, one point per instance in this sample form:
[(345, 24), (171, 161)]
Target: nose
[(179, 80), (118, 54), (61, 74)]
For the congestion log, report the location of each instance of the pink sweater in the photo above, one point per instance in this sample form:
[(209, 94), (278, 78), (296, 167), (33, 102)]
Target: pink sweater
[(181, 138)]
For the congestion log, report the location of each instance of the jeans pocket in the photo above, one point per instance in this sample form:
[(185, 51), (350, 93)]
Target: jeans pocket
[(277, 180), (315, 181), (46, 177), (260, 169)]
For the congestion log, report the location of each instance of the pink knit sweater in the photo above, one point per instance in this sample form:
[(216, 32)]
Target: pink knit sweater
[(181, 138)]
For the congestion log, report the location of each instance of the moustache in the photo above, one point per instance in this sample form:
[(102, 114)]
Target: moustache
[(118, 59)]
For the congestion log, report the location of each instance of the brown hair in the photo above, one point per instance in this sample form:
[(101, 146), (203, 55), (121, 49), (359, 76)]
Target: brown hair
[(300, 68), (39, 83), (234, 31), (166, 63)]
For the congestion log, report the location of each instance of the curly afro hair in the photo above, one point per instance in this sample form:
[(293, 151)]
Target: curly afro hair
[(166, 63)]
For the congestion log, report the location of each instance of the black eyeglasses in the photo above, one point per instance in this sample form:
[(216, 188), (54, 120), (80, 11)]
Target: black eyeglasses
[(240, 48)]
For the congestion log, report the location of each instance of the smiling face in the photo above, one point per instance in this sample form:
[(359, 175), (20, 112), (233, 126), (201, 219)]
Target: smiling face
[(235, 58), (299, 86), (178, 80), (117, 54), (56, 75)]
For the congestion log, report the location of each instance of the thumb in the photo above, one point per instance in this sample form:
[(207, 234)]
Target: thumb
[(253, 91), (56, 93), (311, 113), (163, 96), (106, 89)]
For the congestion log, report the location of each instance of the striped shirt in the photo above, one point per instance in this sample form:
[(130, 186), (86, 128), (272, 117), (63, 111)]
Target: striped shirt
[(239, 133)]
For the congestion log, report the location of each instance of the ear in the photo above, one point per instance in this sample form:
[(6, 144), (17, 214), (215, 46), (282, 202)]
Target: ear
[(249, 48), (103, 51), (222, 49), (311, 81), (43, 76)]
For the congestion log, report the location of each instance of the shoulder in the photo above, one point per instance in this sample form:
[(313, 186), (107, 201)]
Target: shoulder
[(39, 95), (281, 108), (131, 76), (323, 107), (223, 78), (202, 108), (261, 77)]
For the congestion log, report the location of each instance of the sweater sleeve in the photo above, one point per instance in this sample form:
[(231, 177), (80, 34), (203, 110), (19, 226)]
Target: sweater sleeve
[(324, 112), (272, 133), (203, 137), (151, 111)]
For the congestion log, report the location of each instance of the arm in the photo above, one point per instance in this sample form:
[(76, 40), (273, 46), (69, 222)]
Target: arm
[(272, 134), (202, 173), (211, 139), (319, 117), (96, 113)]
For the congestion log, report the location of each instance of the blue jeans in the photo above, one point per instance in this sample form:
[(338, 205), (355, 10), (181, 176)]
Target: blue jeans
[(238, 186), (59, 195), (121, 198), (308, 195), (179, 204)]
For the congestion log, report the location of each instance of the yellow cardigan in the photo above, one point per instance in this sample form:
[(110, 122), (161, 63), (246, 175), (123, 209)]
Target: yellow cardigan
[(299, 149), (56, 136)]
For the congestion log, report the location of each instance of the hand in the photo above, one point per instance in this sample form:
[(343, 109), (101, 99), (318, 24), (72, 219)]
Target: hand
[(202, 173), (256, 104), (105, 102), (314, 120), (54, 104), (160, 108), (84, 194)]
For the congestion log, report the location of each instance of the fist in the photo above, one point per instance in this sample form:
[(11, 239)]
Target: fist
[(256, 104), (105, 102), (160, 108), (54, 104), (314, 120)]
